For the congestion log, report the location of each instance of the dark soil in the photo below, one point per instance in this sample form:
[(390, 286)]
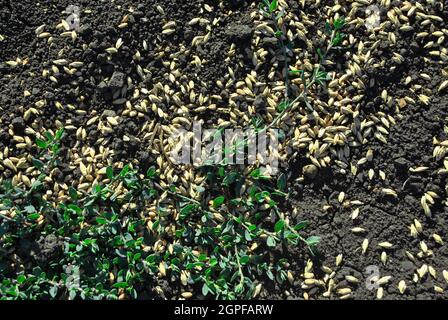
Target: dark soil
[(385, 218), (104, 87)]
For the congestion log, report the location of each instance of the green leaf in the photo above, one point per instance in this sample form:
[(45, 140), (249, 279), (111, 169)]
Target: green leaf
[(290, 235), (151, 172), (312, 241), (110, 173), (339, 24), (301, 225), (53, 291), (101, 220), (239, 289), (261, 196), (49, 136), (37, 163), (321, 77), (278, 33), (279, 225), (328, 27), (281, 182), (295, 72), (122, 284), (74, 208), (33, 216), (230, 178), (213, 262), (73, 193), (55, 149), (187, 210), (59, 134), (41, 143), (264, 6), (273, 6), (338, 38), (257, 121), (151, 259), (137, 256), (255, 173), (37, 184), (21, 279), (221, 172), (282, 106), (244, 260), (319, 52), (124, 170), (205, 289), (218, 201), (270, 241), (190, 266)]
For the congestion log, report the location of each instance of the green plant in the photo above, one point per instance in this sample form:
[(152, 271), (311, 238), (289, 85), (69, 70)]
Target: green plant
[(218, 244), (32, 204), (239, 229), (318, 76), (92, 238), (233, 231)]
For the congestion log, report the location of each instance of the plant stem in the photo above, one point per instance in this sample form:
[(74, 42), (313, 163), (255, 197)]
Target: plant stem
[(240, 270), (289, 227)]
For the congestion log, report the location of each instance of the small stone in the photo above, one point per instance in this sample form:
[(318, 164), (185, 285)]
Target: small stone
[(260, 103), (401, 164), (108, 113), (18, 123), (116, 81), (310, 171), (239, 32)]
